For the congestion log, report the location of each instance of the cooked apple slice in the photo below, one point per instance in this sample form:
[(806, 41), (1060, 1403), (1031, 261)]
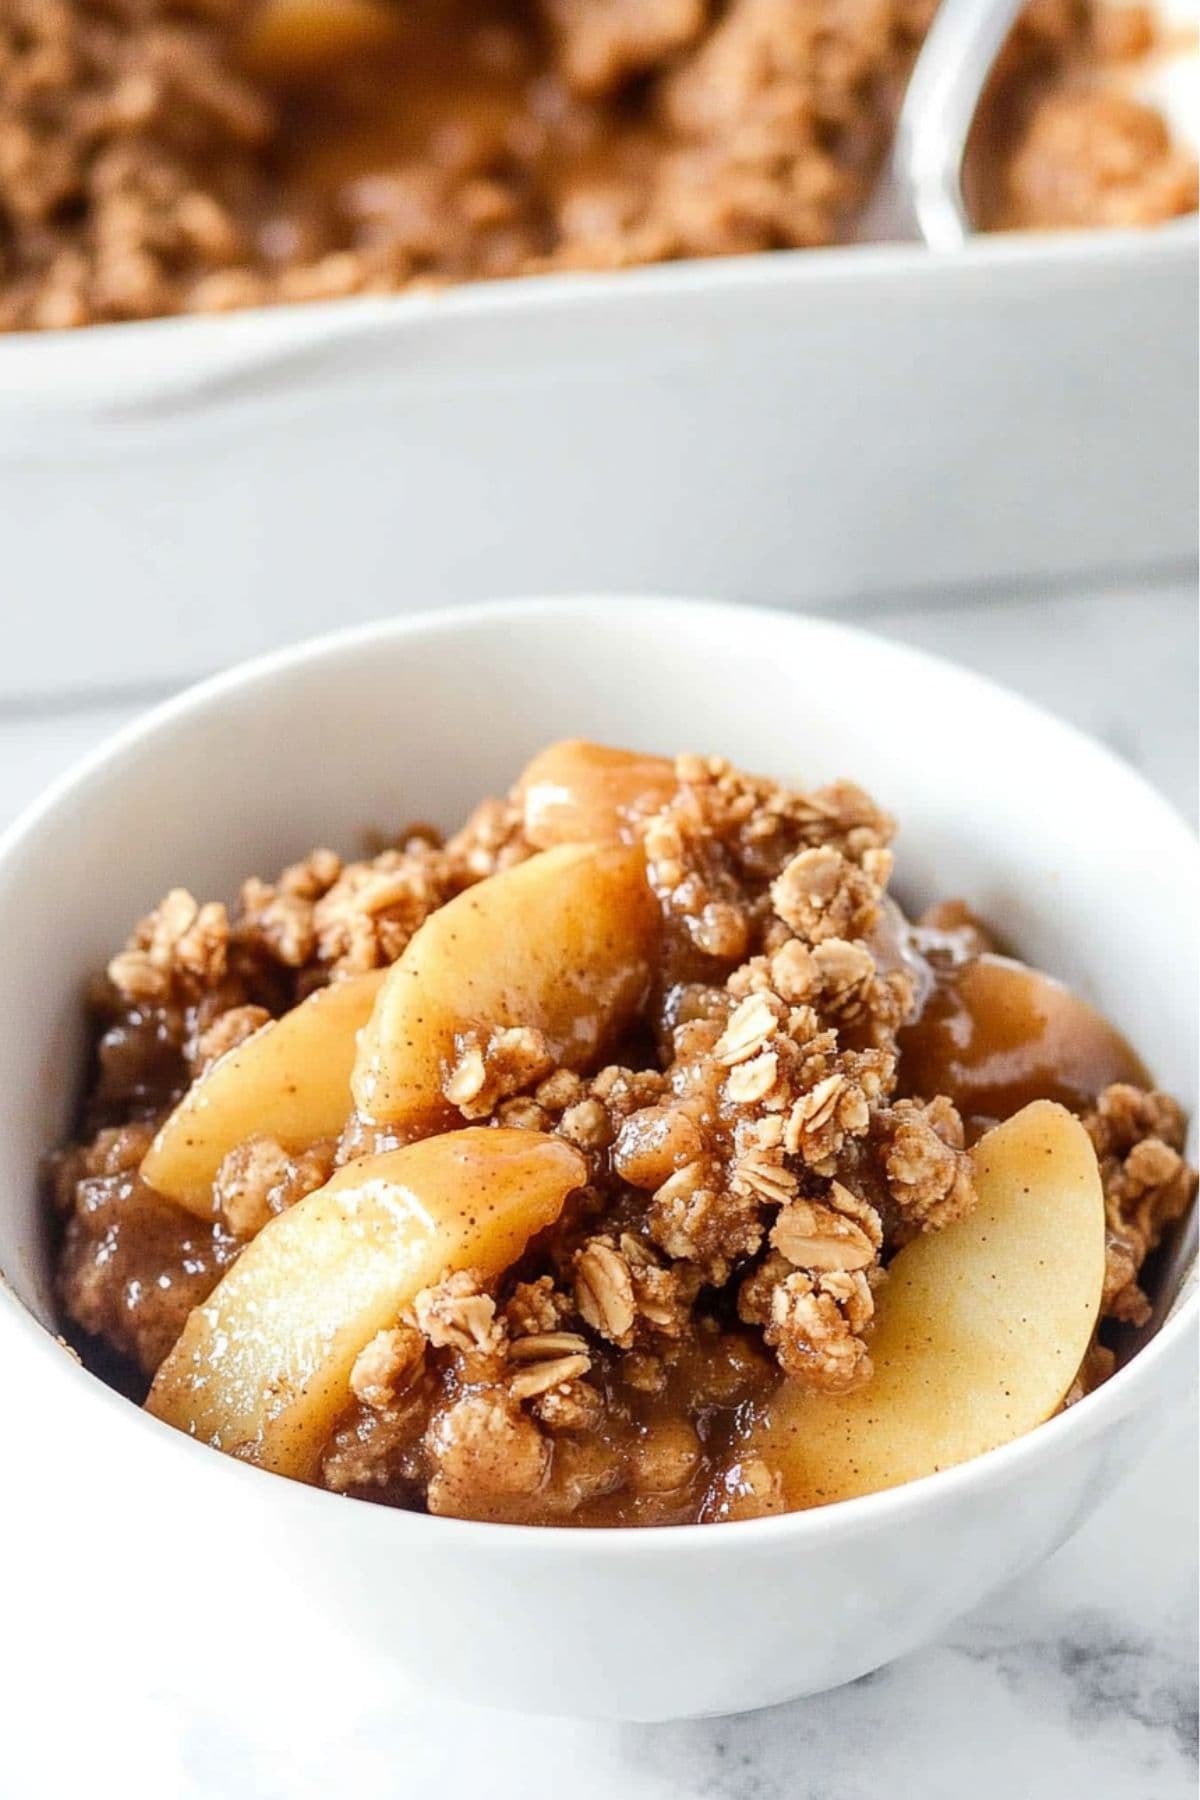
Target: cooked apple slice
[(981, 1328), (291, 1081), (575, 792), (286, 40), (562, 943), (262, 1369), (995, 1035)]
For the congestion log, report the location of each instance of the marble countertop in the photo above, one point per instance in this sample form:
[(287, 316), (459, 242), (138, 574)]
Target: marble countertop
[(1079, 1680)]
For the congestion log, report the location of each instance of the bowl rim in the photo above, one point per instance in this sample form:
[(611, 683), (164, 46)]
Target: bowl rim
[(1128, 1386)]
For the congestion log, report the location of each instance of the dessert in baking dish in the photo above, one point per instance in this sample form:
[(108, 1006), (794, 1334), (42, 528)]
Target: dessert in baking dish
[(166, 156)]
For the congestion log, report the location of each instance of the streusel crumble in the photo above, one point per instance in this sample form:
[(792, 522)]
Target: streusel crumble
[(168, 156), (557, 1160)]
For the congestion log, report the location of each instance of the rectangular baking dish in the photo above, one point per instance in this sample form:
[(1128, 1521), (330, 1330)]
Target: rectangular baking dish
[(795, 428)]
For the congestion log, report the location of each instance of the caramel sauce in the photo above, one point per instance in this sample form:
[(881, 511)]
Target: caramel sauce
[(995, 1035), (451, 91), (428, 87), (658, 1457)]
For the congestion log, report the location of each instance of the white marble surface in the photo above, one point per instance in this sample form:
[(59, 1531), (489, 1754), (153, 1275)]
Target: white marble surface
[(1080, 1680)]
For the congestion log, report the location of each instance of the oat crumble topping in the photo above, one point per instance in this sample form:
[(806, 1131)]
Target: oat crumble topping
[(753, 1158)]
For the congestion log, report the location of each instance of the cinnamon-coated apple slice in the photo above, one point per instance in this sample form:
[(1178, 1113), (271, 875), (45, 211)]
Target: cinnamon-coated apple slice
[(574, 792), (980, 1330), (562, 943), (290, 1081), (996, 1034), (262, 1368)]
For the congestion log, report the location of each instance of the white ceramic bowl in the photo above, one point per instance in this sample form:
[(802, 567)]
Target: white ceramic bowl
[(1085, 867)]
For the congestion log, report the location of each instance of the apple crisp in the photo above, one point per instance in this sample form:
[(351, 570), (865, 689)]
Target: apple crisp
[(579, 1155), (174, 156)]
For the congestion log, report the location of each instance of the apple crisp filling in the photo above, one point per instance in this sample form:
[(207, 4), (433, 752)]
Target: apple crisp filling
[(586, 1163), (167, 156)]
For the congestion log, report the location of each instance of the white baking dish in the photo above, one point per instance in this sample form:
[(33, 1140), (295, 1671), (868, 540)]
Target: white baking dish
[(797, 427)]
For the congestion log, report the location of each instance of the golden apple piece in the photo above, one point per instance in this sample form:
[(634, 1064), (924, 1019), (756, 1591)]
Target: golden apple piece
[(562, 943), (288, 40), (996, 1034), (575, 791), (980, 1331), (262, 1369), (290, 1081)]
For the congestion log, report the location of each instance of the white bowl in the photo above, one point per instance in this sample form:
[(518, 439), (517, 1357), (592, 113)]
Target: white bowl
[(1083, 865)]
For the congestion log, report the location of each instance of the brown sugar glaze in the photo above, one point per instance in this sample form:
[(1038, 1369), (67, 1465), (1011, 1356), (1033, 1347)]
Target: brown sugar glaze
[(455, 139), (995, 1035)]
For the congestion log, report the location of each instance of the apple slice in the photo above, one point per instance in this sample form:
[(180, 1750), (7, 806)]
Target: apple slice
[(291, 1081), (995, 1034), (575, 792), (980, 1331), (563, 942), (262, 1369)]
